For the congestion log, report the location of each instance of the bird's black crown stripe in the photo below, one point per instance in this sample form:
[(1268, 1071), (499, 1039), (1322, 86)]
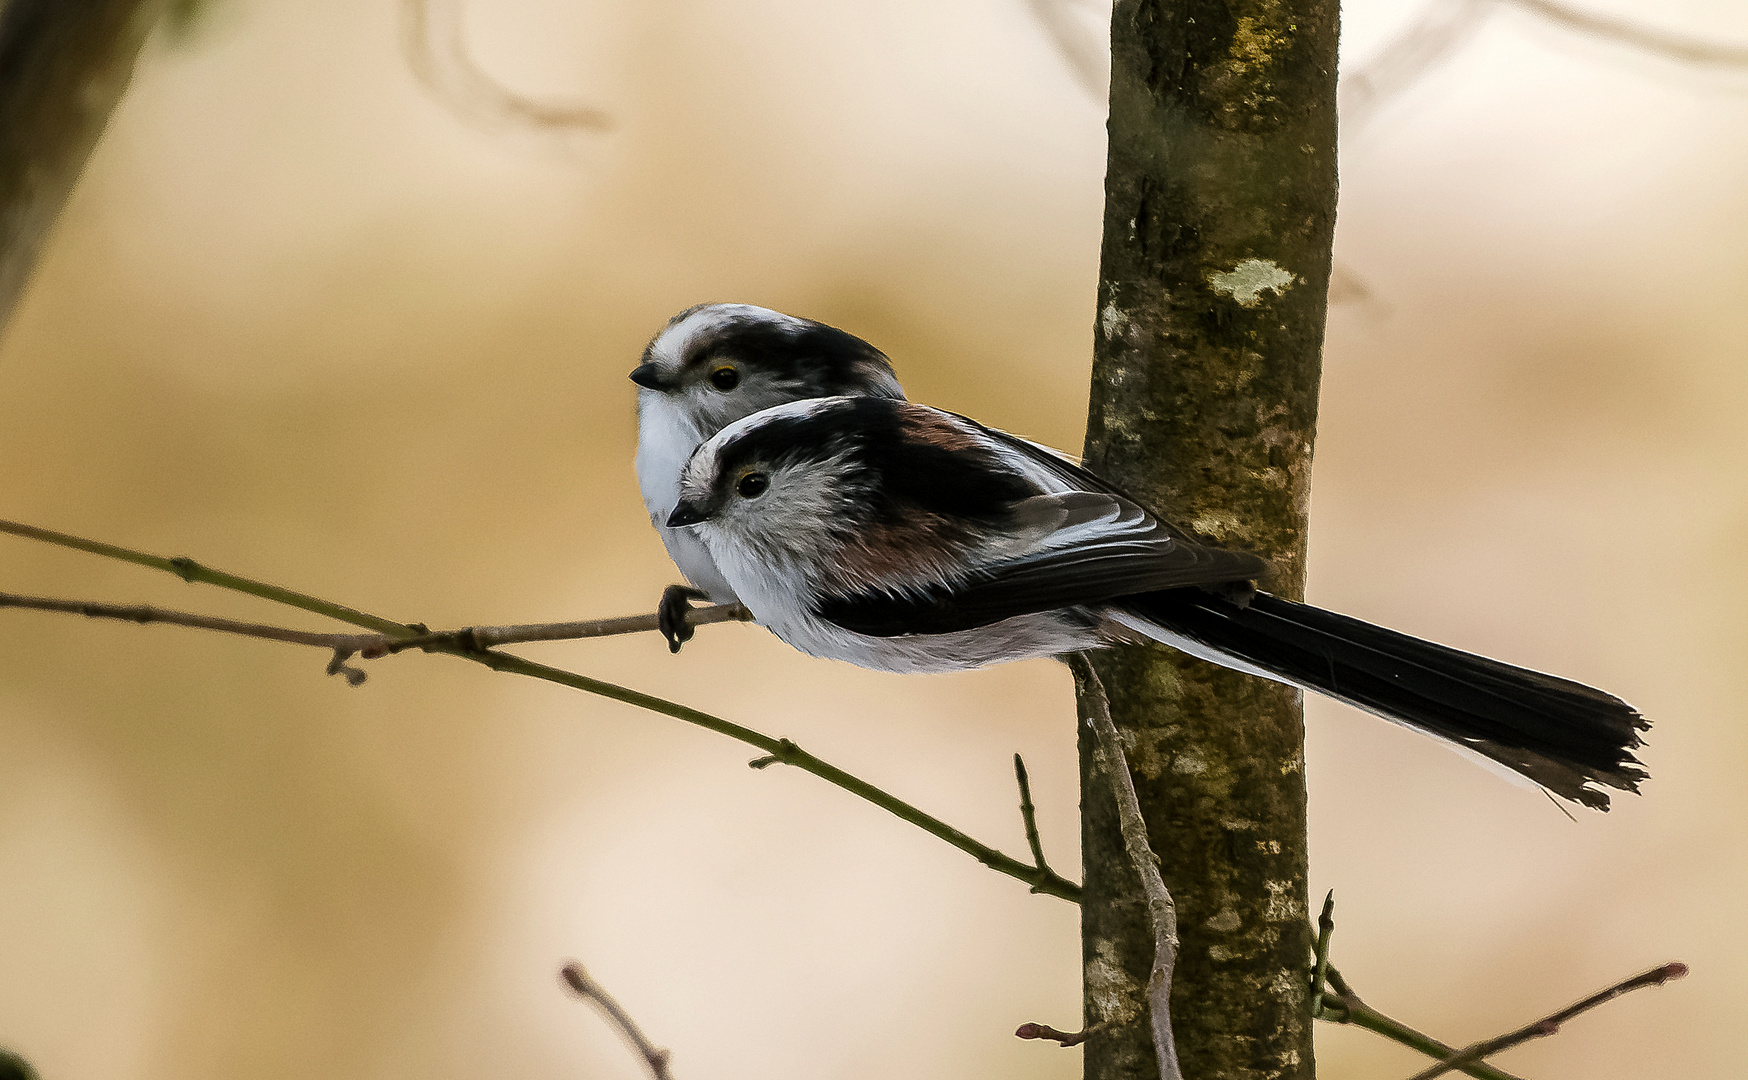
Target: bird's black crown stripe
[(878, 442)]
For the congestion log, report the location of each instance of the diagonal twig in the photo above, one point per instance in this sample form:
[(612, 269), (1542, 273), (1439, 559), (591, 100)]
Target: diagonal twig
[(777, 750), (1356, 1012), (146, 613), (593, 992), (1550, 1025), (1161, 911), (190, 571), (1332, 999)]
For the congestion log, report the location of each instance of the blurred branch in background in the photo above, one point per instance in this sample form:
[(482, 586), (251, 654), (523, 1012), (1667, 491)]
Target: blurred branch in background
[(1077, 27), (1446, 25), (593, 992), (13, 1067), (1080, 29), (433, 35), (1663, 44), (777, 750), (63, 66), (1443, 27)]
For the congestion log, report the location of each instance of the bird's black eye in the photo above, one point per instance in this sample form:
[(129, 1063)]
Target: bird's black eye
[(725, 378), (752, 485)]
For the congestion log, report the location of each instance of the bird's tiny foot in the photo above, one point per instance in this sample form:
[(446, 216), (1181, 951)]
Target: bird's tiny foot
[(671, 614)]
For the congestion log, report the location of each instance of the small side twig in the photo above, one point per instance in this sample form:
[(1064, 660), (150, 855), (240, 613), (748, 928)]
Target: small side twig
[(1029, 817), (1320, 961), (1549, 1025), (1045, 1031), (1161, 911), (591, 991), (1332, 999)]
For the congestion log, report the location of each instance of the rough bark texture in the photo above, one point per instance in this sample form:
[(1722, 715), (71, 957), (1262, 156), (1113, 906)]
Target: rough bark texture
[(63, 66), (1220, 206)]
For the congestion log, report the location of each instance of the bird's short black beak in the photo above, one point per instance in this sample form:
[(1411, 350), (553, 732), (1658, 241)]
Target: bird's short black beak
[(647, 376), (686, 514)]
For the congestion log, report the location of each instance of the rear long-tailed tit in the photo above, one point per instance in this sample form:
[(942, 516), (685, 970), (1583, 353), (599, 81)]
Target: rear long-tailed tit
[(902, 538), (711, 365)]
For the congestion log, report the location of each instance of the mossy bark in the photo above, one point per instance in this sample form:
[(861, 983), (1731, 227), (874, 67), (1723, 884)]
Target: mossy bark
[(1219, 213), (63, 66)]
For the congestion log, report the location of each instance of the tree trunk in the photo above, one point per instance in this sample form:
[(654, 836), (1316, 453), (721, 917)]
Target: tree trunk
[(63, 66), (1219, 212)]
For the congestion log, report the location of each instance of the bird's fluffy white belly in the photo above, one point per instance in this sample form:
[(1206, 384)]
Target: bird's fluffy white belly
[(1025, 637)]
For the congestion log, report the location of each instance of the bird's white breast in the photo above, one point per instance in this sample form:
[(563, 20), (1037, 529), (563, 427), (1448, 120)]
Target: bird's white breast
[(666, 438)]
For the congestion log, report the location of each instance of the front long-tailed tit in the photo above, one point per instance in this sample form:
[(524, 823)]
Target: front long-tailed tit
[(710, 366), (903, 538)]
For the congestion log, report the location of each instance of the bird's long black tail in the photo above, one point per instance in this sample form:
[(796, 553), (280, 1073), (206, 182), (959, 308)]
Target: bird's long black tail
[(1564, 735)]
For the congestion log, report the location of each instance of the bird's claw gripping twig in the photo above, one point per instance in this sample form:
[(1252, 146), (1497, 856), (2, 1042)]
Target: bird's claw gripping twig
[(671, 614)]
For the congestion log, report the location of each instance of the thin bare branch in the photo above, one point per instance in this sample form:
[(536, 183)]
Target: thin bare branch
[(487, 637), (145, 613), (343, 645), (1550, 1025), (593, 992), (373, 646), (433, 37), (1332, 999), (1161, 912), (190, 571), (777, 751), (1348, 1008)]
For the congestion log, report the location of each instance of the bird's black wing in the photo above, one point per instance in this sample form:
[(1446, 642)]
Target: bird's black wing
[(1071, 471), (1087, 547)]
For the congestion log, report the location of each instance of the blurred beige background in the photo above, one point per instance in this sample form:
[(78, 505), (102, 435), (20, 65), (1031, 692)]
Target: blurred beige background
[(303, 321)]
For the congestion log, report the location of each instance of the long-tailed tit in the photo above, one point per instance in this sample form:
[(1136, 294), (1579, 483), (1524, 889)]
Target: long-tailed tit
[(711, 365), (903, 538)]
